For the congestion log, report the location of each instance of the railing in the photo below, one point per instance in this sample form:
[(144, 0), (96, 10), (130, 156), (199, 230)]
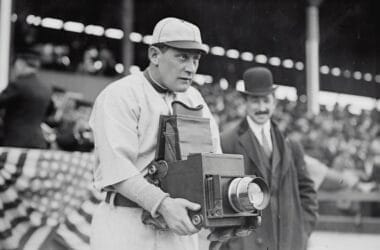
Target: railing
[(358, 222)]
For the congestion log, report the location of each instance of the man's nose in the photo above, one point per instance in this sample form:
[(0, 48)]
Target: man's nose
[(191, 66), (262, 105)]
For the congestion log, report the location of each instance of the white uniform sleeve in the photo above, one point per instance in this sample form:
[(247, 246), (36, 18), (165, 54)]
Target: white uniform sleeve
[(114, 123), (143, 193)]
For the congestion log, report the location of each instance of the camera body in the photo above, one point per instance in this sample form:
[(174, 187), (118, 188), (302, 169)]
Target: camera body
[(218, 183), (185, 168)]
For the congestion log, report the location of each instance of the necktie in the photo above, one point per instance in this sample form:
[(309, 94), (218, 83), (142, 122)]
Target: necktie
[(265, 144)]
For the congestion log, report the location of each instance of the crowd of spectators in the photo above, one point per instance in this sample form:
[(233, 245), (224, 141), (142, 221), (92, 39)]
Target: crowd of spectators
[(65, 126), (346, 144), (341, 140), (338, 138), (93, 60)]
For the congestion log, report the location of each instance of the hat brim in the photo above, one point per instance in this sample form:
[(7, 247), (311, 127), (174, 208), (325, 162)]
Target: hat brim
[(189, 45), (259, 93)]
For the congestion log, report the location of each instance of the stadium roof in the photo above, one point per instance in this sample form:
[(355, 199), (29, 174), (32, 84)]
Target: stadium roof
[(273, 28)]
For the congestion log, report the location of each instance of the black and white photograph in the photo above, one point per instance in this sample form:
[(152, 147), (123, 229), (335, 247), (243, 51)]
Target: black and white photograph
[(189, 125)]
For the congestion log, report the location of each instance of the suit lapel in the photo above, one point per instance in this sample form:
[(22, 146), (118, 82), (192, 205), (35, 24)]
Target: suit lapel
[(276, 155), (286, 161), (283, 153), (251, 146)]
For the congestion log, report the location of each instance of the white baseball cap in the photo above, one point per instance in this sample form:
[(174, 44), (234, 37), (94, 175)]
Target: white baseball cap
[(179, 34)]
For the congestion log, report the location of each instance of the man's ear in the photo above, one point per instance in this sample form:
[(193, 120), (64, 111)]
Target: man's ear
[(154, 54)]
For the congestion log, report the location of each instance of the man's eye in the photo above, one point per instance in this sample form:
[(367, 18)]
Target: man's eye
[(182, 57)]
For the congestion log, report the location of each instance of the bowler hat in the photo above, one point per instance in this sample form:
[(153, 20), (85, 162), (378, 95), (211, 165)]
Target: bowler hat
[(258, 81), (178, 33)]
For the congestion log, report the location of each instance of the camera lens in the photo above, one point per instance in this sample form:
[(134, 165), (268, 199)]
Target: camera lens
[(247, 194), (255, 194)]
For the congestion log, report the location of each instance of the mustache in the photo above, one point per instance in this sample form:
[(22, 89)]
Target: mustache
[(265, 112)]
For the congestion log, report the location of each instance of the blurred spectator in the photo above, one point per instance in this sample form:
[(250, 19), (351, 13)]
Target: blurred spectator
[(54, 56), (75, 134), (90, 63), (64, 102), (108, 62), (67, 128), (326, 178), (372, 165), (26, 101), (98, 61)]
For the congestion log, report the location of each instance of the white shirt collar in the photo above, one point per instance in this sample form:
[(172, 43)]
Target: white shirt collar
[(154, 80), (256, 129)]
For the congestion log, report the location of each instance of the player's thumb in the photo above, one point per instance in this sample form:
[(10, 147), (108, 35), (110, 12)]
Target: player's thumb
[(190, 205)]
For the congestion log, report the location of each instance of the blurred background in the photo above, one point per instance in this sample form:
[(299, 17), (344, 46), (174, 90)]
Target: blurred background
[(82, 45)]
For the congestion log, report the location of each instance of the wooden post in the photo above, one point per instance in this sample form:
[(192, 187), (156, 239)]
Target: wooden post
[(312, 56), (5, 40), (127, 46)]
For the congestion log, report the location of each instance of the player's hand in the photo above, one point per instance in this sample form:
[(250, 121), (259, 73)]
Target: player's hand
[(175, 213)]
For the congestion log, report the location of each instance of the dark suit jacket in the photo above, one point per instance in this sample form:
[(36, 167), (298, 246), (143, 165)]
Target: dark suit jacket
[(26, 102), (67, 141), (292, 212)]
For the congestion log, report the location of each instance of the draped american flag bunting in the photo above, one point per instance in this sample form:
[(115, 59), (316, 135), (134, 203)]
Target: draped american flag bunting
[(45, 195)]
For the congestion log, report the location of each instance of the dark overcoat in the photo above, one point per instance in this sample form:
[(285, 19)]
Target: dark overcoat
[(291, 215), (26, 102)]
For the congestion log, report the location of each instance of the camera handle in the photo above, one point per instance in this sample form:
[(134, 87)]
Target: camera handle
[(196, 218), (157, 170), (254, 222)]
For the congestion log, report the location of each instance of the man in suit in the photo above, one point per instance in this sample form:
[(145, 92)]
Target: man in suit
[(291, 215), (26, 101)]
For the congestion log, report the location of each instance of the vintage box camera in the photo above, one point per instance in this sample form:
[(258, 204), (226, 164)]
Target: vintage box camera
[(217, 181), (186, 169)]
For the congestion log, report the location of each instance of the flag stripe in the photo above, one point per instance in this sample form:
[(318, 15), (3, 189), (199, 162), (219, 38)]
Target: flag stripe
[(13, 177), (72, 239), (73, 228), (38, 238), (46, 198)]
